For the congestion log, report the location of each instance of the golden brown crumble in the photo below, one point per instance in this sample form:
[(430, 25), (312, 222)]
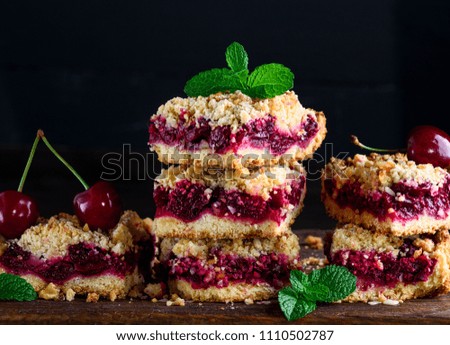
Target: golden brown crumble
[(52, 238), (154, 290), (70, 295), (314, 242), (235, 109), (92, 297), (353, 237), (313, 263), (175, 300), (288, 245), (255, 182), (376, 171), (50, 292)]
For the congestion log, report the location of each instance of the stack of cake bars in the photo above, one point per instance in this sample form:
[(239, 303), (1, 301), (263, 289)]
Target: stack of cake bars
[(224, 209), (395, 216)]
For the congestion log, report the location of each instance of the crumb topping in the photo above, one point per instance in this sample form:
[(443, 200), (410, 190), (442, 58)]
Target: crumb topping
[(254, 182), (92, 297), (70, 295), (313, 263), (377, 171), (255, 247), (51, 292), (154, 290), (353, 237), (314, 242), (175, 300), (51, 238), (235, 109)]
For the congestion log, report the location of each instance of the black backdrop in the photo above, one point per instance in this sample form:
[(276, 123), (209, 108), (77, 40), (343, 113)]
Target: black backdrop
[(92, 72)]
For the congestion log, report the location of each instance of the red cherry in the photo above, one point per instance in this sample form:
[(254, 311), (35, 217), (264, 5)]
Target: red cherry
[(428, 144), (99, 206), (17, 213)]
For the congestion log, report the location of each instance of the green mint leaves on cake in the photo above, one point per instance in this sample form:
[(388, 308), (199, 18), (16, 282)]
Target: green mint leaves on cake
[(266, 81), (14, 288), (237, 58), (328, 284)]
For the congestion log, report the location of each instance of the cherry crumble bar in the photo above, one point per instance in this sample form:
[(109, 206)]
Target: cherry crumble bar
[(195, 203), (233, 126), (61, 259), (387, 193), (390, 267), (229, 270)]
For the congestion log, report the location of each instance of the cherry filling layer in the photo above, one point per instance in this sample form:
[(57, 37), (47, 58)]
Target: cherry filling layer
[(189, 201), (408, 202), (374, 269), (272, 269), (259, 133), (82, 260)]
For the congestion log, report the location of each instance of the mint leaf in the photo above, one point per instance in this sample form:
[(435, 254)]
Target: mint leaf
[(292, 305), (14, 288), (301, 284), (317, 292), (269, 80), (237, 58), (242, 77), (327, 284), (340, 281), (266, 81), (212, 81), (299, 280)]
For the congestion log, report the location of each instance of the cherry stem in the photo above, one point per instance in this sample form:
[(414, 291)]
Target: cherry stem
[(28, 165), (354, 139), (73, 171)]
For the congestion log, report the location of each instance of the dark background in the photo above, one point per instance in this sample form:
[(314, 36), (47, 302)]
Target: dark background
[(91, 73)]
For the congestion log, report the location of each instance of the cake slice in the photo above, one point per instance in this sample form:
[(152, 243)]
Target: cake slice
[(61, 259), (390, 267), (234, 130), (229, 270), (197, 203), (387, 193)]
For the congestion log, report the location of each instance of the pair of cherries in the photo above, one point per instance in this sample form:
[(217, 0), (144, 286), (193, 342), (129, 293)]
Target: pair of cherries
[(426, 145), (98, 206)]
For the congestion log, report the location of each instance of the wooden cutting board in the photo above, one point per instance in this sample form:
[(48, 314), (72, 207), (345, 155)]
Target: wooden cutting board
[(423, 311)]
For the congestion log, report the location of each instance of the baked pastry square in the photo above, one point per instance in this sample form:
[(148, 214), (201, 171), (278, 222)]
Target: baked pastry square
[(387, 193), (61, 259), (232, 130), (229, 270), (197, 203), (390, 267)]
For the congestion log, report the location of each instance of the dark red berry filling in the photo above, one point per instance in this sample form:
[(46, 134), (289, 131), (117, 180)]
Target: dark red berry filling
[(377, 269), (272, 269), (82, 260), (188, 201), (418, 200), (259, 133)]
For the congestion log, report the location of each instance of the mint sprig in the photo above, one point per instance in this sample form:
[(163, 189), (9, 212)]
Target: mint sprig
[(15, 288), (328, 284), (266, 81), (237, 58), (269, 80)]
